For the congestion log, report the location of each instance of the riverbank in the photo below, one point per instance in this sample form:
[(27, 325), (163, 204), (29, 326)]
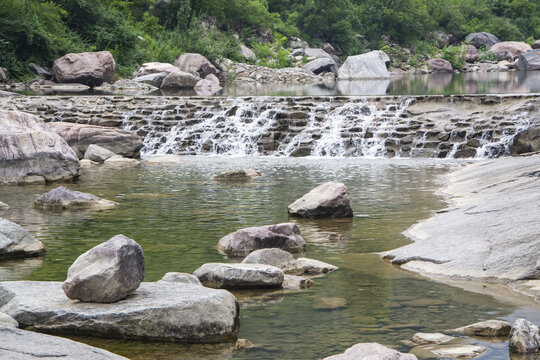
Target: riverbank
[(489, 233)]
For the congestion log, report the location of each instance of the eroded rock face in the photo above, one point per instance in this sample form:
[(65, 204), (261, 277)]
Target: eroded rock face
[(486, 328), (17, 242), (329, 200), (529, 61), (191, 62), (515, 48), (440, 66), (155, 68), (371, 65), (80, 136), (180, 80), (20, 344), (31, 153), (62, 198), (368, 351), (480, 39), (106, 273), (239, 276), (275, 257), (98, 154), (526, 141), (160, 311), (284, 236), (88, 68), (238, 175), (524, 337)]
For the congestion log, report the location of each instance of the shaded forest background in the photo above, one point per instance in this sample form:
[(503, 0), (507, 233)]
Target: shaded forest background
[(139, 31)]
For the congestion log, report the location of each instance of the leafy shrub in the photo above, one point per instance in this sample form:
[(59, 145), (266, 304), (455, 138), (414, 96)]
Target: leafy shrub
[(455, 55), (273, 55)]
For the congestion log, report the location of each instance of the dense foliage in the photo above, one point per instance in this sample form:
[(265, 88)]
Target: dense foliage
[(137, 31)]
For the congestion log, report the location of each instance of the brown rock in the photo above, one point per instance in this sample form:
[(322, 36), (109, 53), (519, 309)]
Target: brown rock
[(516, 48), (89, 68), (191, 62)]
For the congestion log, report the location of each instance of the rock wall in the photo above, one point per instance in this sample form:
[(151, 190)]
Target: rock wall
[(460, 126)]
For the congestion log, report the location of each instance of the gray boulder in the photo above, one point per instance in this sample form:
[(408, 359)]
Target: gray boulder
[(321, 65), (17, 242), (536, 44), (155, 79), (526, 141), (529, 61), (442, 38), (88, 68), (370, 351), (314, 267), (246, 52), (486, 328), (195, 63), (371, 65), (155, 68), (317, 53), (480, 39), (515, 48), (3, 206), (80, 136), (98, 154), (31, 153), (329, 200), (239, 276), (106, 273), (20, 344), (183, 278), (440, 66), (62, 198), (275, 257), (179, 80), (296, 43), (238, 175), (40, 71), (7, 321), (292, 282), (284, 236), (524, 337), (208, 86), (163, 311), (503, 55), (471, 53)]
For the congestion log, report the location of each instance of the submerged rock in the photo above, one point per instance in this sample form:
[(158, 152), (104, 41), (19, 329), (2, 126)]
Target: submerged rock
[(458, 351), (486, 328), (20, 344), (293, 282), (369, 351), (275, 257), (431, 338), (239, 276), (161, 311), (169, 159), (121, 161), (88, 68), (243, 345), (238, 175), (314, 267), (106, 273), (330, 200), (284, 236), (31, 153), (17, 242), (61, 198), (7, 321), (183, 278), (524, 337), (98, 154)]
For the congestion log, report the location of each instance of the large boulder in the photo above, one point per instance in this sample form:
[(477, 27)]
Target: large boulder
[(440, 66), (371, 351), (322, 65), (17, 242), (239, 276), (106, 273), (88, 68), (180, 80), (98, 154), (526, 141), (516, 48), (161, 311), (371, 65), (524, 337), (155, 68), (329, 200), (155, 79), (61, 198), (471, 53), (197, 63), (275, 257), (284, 236), (80, 136), (20, 344), (30, 152), (480, 39), (529, 61), (486, 328)]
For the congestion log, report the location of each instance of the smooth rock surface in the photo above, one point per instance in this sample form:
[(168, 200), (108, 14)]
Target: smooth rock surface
[(88, 68), (524, 337), (330, 200), (162, 311), (31, 153), (458, 351), (471, 53), (275, 257), (526, 141), (371, 351), (62, 198), (155, 68), (155, 79), (285, 236), (120, 161), (196, 63), (480, 39), (106, 273), (7, 321), (238, 175), (314, 267), (316, 53), (440, 66), (97, 154), (529, 61), (17, 344), (486, 328), (180, 80), (492, 230), (322, 65), (293, 282), (431, 338), (239, 276), (515, 48), (371, 65), (183, 278), (80, 136), (17, 242)]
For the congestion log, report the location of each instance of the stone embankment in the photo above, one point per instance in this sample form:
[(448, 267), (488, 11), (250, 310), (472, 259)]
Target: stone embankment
[(455, 126), (490, 232)]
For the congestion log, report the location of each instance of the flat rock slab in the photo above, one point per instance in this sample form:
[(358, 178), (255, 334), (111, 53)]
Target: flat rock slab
[(492, 230), (16, 242), (239, 276), (486, 328), (156, 311), (62, 198), (238, 175), (371, 351), (17, 344), (431, 338), (449, 351)]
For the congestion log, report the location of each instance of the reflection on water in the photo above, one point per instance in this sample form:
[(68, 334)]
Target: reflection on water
[(178, 214)]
